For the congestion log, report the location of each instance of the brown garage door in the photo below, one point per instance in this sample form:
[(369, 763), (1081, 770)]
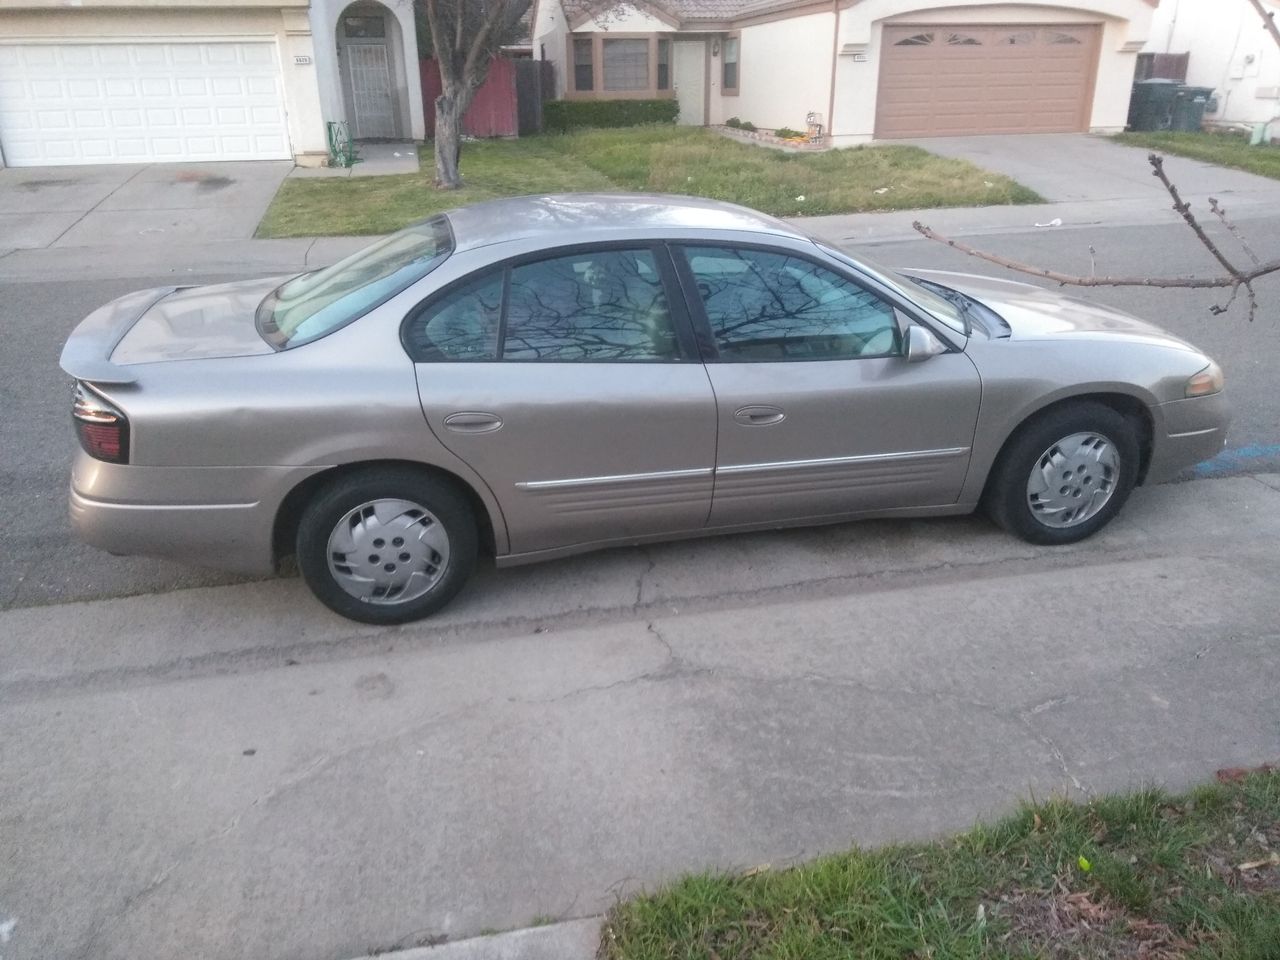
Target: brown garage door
[(1012, 78)]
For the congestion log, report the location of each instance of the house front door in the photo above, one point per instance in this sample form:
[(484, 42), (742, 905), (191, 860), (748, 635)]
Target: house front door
[(690, 78), (371, 91)]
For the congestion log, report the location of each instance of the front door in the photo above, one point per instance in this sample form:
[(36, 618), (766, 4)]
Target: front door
[(371, 98), (819, 413), (570, 385), (690, 81)]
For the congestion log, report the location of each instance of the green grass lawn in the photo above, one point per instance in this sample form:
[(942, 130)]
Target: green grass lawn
[(1224, 149), (663, 159), (1143, 875)]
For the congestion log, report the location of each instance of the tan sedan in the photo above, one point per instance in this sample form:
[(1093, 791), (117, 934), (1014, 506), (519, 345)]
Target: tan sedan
[(542, 376)]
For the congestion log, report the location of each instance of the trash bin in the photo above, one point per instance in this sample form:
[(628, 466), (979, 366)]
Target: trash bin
[(1189, 107), (1151, 104)]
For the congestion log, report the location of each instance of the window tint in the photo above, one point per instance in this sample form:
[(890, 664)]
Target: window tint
[(770, 306), (463, 325), (604, 305)]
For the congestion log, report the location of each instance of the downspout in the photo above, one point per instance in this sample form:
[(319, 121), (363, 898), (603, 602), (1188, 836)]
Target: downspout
[(835, 50)]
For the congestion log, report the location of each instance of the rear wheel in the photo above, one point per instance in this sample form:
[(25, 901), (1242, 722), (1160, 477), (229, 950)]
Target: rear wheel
[(1065, 474), (387, 546)]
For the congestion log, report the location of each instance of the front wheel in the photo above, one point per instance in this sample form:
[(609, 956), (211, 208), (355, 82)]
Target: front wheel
[(387, 546), (1065, 475)]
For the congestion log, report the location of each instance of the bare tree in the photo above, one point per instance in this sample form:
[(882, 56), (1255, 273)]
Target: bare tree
[(465, 37), (1234, 277)]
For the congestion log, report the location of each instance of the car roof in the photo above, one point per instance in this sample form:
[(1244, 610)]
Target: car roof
[(583, 217)]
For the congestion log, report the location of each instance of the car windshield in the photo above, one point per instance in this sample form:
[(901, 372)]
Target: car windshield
[(315, 304), (918, 294)]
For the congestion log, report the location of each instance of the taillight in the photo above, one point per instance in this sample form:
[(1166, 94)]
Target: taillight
[(103, 429)]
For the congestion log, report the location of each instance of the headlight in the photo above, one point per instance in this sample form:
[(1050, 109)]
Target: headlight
[(1207, 381)]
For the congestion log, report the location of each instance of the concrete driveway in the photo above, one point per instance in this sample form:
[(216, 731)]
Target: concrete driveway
[(1066, 167), (114, 204)]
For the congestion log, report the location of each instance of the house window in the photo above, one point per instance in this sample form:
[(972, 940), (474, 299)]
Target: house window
[(626, 64), (729, 74), (664, 64), (364, 28), (583, 76)]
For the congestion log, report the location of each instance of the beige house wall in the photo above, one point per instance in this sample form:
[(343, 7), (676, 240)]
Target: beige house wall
[(549, 30), (1229, 52), (784, 72), (284, 24)]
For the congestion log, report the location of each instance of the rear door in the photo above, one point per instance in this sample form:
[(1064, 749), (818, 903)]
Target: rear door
[(570, 383), (819, 412)]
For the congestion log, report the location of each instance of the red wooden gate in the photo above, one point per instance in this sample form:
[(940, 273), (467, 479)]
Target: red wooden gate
[(493, 110)]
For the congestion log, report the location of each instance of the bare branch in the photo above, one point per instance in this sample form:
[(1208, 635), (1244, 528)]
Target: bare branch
[(1268, 19), (1235, 278), (1221, 213), (1068, 279), (1184, 210)]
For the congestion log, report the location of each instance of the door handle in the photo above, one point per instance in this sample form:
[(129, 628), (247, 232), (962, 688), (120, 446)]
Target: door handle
[(473, 422), (759, 415)]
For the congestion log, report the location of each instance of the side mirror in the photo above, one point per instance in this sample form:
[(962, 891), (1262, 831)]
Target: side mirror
[(922, 343)]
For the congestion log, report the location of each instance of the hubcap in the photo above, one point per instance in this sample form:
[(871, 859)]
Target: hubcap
[(388, 551), (1073, 480)]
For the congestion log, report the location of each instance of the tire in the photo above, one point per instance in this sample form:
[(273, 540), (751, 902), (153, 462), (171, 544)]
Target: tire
[(387, 545), (1064, 474)]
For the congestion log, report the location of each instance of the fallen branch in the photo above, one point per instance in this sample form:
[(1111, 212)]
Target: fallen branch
[(1234, 279)]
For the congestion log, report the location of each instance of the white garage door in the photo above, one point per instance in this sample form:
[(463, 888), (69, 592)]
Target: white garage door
[(71, 103)]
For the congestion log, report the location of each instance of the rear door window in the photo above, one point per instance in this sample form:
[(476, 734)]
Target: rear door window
[(602, 305)]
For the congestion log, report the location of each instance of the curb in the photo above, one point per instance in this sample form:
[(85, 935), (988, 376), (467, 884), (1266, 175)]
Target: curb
[(571, 940)]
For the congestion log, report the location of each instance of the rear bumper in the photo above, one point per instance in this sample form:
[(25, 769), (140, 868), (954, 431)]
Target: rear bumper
[(221, 517), (1194, 430)]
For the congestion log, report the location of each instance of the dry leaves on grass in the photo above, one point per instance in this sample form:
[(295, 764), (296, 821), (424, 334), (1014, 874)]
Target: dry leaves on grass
[(1062, 925)]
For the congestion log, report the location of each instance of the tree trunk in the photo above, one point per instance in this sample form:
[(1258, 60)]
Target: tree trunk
[(448, 141)]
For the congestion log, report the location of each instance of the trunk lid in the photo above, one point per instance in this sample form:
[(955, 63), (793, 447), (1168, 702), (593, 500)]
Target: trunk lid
[(167, 323)]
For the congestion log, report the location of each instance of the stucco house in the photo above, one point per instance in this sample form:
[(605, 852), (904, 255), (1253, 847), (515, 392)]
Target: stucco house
[(1229, 50), (126, 81), (869, 68)]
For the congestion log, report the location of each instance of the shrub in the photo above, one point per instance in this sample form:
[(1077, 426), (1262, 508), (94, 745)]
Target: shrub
[(733, 122), (786, 133), (748, 126), (561, 116)]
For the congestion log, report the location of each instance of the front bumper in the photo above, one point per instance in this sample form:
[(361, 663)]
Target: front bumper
[(1194, 430), (221, 517)]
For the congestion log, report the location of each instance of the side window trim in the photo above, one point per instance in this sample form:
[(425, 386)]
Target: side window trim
[(668, 272), (703, 333)]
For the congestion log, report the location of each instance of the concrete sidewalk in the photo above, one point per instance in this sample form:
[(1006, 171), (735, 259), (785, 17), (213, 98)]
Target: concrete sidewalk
[(230, 772), (375, 160)]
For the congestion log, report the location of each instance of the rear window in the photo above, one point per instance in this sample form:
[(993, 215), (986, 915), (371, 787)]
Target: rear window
[(313, 305)]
